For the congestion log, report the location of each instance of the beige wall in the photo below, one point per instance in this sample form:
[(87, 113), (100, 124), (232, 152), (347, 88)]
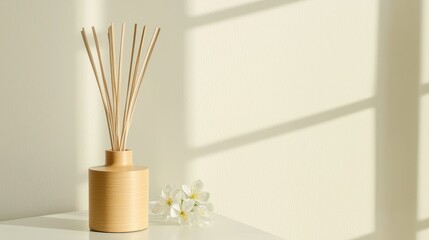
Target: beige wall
[(305, 118)]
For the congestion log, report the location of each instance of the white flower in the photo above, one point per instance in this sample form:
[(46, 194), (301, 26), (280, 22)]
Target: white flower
[(196, 192), (201, 214), (188, 206), (183, 211), (166, 200)]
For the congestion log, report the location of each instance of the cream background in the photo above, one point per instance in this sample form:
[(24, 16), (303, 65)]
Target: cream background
[(304, 118)]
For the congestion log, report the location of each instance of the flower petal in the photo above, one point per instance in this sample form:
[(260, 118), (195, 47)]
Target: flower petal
[(185, 219), (169, 188), (187, 205), (174, 192), (187, 190), (192, 218), (166, 192), (196, 209), (203, 197), (197, 186), (179, 196), (175, 210), (176, 206), (163, 195)]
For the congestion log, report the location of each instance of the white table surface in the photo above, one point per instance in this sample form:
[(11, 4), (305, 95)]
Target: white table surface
[(74, 226)]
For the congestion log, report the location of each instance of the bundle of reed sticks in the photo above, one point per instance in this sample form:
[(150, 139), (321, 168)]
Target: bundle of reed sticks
[(118, 131)]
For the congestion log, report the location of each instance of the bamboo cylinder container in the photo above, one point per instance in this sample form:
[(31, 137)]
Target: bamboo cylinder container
[(118, 194)]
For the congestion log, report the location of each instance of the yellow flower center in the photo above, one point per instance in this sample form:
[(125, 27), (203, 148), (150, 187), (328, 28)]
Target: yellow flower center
[(183, 215), (169, 201), (193, 196)]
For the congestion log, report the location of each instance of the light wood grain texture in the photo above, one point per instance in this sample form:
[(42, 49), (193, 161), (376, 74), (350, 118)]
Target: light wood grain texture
[(106, 89), (94, 68), (117, 132), (118, 110), (118, 194), (113, 86), (122, 147), (133, 86), (115, 80), (140, 79)]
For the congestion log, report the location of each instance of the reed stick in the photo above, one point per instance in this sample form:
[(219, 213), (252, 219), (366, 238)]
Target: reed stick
[(122, 147), (117, 99), (91, 59), (112, 100), (133, 84), (114, 86), (136, 66), (106, 89), (142, 72), (118, 85)]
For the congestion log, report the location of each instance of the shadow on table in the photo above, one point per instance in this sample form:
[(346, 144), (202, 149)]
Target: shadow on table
[(139, 235), (73, 224), (52, 223), (155, 220)]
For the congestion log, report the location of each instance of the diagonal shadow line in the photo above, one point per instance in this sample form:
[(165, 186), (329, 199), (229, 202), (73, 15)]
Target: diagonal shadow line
[(422, 224), (283, 128), (236, 12), (424, 88), (365, 237)]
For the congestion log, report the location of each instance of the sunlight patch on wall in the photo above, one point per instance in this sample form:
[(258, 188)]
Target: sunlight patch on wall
[(90, 122), (422, 235), (423, 164), (315, 183), (278, 65)]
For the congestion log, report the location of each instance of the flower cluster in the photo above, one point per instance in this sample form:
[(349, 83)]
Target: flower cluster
[(188, 205)]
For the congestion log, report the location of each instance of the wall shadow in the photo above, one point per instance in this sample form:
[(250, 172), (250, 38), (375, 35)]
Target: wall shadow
[(422, 224), (424, 88), (37, 104), (397, 115), (283, 128), (238, 11)]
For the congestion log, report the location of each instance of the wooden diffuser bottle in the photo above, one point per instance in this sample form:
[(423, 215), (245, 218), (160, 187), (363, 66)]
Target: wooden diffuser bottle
[(119, 190), (118, 194)]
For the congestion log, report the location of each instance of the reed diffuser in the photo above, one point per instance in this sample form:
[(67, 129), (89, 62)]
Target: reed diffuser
[(118, 190)]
